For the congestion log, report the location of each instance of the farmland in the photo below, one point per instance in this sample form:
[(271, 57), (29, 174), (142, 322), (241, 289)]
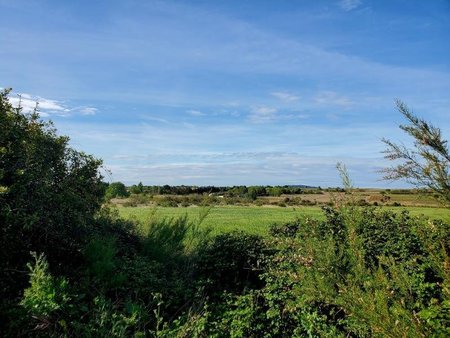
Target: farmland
[(253, 219)]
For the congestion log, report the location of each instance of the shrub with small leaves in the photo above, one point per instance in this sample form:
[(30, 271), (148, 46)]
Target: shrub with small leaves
[(46, 294)]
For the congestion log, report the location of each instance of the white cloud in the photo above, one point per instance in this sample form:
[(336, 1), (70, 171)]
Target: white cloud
[(331, 98), (233, 104), (88, 111), (52, 105), (262, 114), (285, 97), (348, 5), (248, 168), (27, 105), (156, 119), (47, 107), (227, 112), (195, 113)]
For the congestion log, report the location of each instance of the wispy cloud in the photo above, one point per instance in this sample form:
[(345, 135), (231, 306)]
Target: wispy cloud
[(48, 107), (88, 111), (285, 96), (231, 153), (262, 114), (195, 112), (348, 5), (245, 168), (44, 106), (155, 119), (331, 98)]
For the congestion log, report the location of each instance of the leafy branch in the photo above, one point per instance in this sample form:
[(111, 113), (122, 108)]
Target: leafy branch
[(425, 165)]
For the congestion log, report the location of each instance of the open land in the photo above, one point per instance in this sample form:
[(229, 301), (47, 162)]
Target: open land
[(256, 219)]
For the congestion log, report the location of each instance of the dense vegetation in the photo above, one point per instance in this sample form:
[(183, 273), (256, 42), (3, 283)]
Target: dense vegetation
[(72, 267), (234, 191)]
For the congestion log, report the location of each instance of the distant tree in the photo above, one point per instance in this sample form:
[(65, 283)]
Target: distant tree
[(427, 164), (134, 189), (252, 193), (137, 189), (274, 191), (116, 189), (165, 189)]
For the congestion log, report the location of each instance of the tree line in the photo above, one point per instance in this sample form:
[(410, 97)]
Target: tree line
[(119, 189)]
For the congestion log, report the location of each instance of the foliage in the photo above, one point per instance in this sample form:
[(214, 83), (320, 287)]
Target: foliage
[(165, 238), (45, 294), (106, 320), (100, 254), (231, 262), (137, 189), (116, 189), (428, 163), (49, 194)]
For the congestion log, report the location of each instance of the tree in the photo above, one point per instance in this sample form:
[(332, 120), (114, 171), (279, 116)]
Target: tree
[(427, 164), (137, 189), (49, 194), (116, 189)]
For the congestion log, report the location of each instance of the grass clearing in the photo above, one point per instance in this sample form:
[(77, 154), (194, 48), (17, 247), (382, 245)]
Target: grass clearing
[(254, 220)]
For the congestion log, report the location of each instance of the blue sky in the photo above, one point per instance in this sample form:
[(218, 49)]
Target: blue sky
[(230, 92)]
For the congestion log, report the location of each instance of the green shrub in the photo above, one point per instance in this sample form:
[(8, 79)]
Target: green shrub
[(46, 294), (164, 239), (107, 320), (384, 233), (289, 229), (100, 255), (231, 262), (361, 272)]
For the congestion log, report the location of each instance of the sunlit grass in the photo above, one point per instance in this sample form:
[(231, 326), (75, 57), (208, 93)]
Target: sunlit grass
[(255, 220)]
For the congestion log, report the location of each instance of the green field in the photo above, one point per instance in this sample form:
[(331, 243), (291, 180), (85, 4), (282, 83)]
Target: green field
[(251, 219)]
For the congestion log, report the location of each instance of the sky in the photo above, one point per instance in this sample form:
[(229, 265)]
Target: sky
[(247, 92)]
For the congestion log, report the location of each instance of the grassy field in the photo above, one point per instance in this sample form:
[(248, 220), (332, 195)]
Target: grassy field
[(252, 219)]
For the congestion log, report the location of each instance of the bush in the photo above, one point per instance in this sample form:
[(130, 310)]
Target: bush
[(46, 294), (285, 230), (107, 320), (100, 255), (231, 262), (361, 272), (168, 202), (164, 239), (116, 189), (49, 196)]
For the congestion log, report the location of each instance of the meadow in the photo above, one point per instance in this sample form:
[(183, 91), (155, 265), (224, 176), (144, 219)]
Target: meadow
[(253, 219)]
